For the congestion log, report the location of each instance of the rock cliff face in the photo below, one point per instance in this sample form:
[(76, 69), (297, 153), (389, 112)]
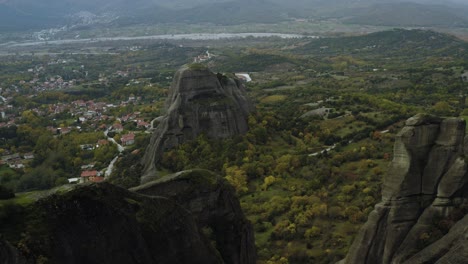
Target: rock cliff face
[(9, 254), (214, 206), (425, 194), (189, 217), (199, 102), (102, 223)]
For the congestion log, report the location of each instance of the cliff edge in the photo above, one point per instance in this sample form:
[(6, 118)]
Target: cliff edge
[(423, 214), (215, 207), (103, 223), (188, 217)]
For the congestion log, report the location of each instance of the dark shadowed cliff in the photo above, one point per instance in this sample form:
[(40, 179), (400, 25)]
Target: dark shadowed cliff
[(9, 254), (423, 214), (214, 206), (102, 223), (199, 102), (189, 217)]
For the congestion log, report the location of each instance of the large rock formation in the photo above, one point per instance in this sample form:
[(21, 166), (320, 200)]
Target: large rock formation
[(424, 194), (213, 204), (102, 223), (9, 254), (199, 102), (189, 217)]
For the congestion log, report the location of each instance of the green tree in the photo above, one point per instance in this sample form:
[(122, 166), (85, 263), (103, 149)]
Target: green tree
[(441, 108)]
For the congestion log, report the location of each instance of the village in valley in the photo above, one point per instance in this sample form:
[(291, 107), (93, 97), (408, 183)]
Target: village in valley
[(90, 116), (112, 125), (64, 100)]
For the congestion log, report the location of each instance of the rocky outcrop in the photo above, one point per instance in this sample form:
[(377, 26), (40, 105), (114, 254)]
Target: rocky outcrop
[(424, 195), (9, 254), (215, 208), (199, 102), (452, 248), (102, 223), (189, 217)]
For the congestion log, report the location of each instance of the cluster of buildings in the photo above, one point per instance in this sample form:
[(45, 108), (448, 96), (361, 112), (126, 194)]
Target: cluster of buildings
[(88, 115), (54, 83), (203, 57), (16, 160), (7, 111), (7, 117), (94, 114), (88, 176)]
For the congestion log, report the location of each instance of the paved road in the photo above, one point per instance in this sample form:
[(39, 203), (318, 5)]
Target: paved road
[(110, 168)]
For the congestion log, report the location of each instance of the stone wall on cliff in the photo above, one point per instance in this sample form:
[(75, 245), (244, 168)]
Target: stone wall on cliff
[(199, 101), (424, 191)]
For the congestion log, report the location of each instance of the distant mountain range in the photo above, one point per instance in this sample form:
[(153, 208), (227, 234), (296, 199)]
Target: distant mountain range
[(32, 14), (226, 13), (394, 43), (407, 14)]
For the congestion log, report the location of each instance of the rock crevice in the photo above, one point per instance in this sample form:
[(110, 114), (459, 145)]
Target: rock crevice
[(424, 186)]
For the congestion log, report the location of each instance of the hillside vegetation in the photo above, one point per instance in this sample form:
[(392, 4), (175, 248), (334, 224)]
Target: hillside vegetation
[(310, 168)]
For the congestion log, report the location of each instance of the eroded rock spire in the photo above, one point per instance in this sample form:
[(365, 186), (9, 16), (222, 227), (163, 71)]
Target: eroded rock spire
[(199, 101), (424, 191)]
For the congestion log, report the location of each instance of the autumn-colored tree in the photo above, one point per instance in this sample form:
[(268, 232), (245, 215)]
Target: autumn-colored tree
[(237, 178), (267, 182)]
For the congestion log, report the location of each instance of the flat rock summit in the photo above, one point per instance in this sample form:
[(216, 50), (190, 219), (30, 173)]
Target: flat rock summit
[(423, 214), (199, 101)]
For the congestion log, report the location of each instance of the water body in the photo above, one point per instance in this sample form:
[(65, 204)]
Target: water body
[(194, 36)]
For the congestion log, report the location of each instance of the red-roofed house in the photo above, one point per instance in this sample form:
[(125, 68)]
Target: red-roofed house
[(79, 103), (96, 179), (87, 175), (102, 142), (117, 127), (64, 130), (128, 139), (141, 123)]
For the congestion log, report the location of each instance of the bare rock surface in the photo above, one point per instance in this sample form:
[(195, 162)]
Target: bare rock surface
[(214, 206), (103, 223), (422, 216), (199, 101), (452, 248), (9, 254)]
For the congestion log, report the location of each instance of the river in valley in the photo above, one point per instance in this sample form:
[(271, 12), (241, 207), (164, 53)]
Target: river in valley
[(193, 36)]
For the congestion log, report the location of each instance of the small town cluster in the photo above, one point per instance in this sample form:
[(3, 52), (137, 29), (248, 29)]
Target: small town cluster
[(118, 121)]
